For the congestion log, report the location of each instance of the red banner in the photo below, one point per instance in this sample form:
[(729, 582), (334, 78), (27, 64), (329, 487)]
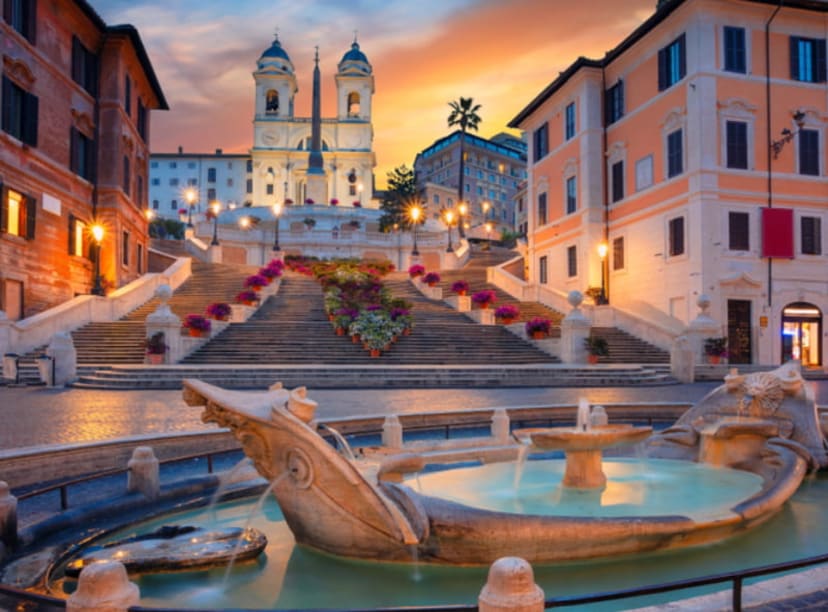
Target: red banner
[(778, 232)]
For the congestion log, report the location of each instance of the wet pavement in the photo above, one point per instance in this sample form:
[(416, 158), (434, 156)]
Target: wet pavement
[(37, 416)]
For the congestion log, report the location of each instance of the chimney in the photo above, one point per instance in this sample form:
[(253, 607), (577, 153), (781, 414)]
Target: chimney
[(218, 151), (180, 150)]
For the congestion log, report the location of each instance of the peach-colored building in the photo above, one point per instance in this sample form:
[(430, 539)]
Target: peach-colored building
[(76, 100), (695, 151)]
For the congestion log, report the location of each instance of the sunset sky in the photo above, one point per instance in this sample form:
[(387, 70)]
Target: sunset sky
[(424, 53)]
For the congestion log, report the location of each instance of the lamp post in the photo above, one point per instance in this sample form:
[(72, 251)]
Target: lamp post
[(485, 207), (360, 188), (415, 212), (488, 226), (449, 217), (215, 208), (462, 209), (97, 234), (277, 212), (191, 196), (602, 253), (787, 135)]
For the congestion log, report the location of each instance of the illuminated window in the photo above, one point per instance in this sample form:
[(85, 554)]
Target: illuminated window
[(14, 203)]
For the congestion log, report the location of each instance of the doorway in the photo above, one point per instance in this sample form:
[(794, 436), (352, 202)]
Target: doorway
[(801, 334), (739, 345), (12, 299)]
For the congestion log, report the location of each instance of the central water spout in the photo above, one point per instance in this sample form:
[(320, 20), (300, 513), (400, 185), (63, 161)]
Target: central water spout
[(582, 423)]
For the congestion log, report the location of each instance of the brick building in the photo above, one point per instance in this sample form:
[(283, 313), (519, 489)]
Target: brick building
[(76, 101)]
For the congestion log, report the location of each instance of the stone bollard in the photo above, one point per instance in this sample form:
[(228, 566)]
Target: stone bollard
[(574, 330), (392, 433), (64, 359), (143, 473), (511, 587), (103, 587), (500, 425), (8, 516)]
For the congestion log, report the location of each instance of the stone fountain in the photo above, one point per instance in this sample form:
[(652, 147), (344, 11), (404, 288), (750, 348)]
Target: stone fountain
[(765, 424)]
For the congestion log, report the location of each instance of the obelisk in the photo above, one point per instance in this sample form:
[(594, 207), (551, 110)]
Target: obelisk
[(317, 182)]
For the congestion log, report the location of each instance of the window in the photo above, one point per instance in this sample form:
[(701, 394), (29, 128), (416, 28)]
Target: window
[(540, 142), (125, 248), (142, 120), (644, 173), (22, 16), (211, 194), (155, 204), (571, 261), (19, 113), (737, 144), (738, 231), (139, 259), (81, 154), (808, 59), (542, 208), (77, 233), (229, 182), (17, 214), (128, 95), (211, 175), (154, 164), (734, 50), (676, 237), (614, 101), (173, 164), (173, 182), (811, 235), (618, 253), (249, 185), (84, 67), (571, 192), (191, 182), (272, 102), (126, 177), (269, 189), (155, 182), (618, 181), (671, 63), (173, 204), (191, 165), (139, 190), (809, 152), (675, 154), (543, 270), (249, 166), (570, 120)]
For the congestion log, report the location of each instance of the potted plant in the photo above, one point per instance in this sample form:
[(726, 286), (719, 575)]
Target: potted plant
[(288, 202), (342, 319), (460, 287), (334, 202), (484, 298), (431, 279), (357, 204), (255, 282), (715, 349), (219, 311), (197, 324), (507, 313), (308, 200), (309, 222), (247, 297), (538, 328), (155, 348), (416, 270), (596, 347)]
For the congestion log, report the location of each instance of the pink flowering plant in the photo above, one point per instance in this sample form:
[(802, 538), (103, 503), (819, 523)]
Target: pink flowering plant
[(484, 298), (431, 278), (197, 322), (416, 270), (507, 312), (538, 325), (247, 296), (255, 280), (219, 310), (460, 286)]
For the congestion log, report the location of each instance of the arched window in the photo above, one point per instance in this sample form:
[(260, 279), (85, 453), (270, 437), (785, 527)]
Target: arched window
[(272, 102), (353, 104), (305, 144)]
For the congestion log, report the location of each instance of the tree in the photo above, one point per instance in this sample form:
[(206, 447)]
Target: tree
[(464, 115), (400, 195)]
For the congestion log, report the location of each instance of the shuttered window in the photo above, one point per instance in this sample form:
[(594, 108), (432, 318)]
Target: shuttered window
[(811, 235), (542, 208), (737, 144), (809, 152), (618, 253), (20, 113), (672, 63), (738, 231), (676, 237), (572, 261), (734, 50)]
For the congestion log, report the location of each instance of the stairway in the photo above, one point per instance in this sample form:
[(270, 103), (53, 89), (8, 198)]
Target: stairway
[(626, 348), (291, 328)]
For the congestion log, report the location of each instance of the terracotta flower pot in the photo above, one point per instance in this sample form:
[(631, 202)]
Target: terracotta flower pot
[(484, 306), (714, 359), (375, 352), (407, 331), (538, 335), (155, 358), (507, 320), (462, 292), (355, 338), (340, 331), (592, 359), (431, 284), (195, 333)]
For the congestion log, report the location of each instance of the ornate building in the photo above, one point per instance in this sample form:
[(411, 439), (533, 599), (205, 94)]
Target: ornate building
[(283, 152)]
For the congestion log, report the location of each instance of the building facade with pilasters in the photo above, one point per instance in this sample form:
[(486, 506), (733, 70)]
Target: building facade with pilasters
[(695, 151)]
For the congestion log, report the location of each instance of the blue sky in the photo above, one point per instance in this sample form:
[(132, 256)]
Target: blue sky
[(424, 54)]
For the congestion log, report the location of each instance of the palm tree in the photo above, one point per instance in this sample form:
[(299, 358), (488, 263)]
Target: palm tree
[(463, 114)]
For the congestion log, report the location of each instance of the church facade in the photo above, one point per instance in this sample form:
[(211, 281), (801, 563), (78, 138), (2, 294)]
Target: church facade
[(283, 142)]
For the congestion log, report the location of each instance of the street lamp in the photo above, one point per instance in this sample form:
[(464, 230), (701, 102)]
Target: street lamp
[(486, 206), (244, 223), (462, 209), (359, 191), (449, 217), (97, 234), (489, 228), (277, 212), (602, 253), (215, 208), (415, 212), (191, 196), (787, 135)]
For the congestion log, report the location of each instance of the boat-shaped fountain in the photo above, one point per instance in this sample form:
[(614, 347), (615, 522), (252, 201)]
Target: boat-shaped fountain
[(764, 427)]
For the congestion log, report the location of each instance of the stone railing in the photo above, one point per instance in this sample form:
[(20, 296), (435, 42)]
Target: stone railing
[(27, 334), (508, 282), (642, 320)]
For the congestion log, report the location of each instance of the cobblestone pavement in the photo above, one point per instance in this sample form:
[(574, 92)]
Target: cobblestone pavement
[(35, 416)]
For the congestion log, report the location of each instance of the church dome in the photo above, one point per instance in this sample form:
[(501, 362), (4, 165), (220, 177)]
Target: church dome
[(354, 60), (276, 56)]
